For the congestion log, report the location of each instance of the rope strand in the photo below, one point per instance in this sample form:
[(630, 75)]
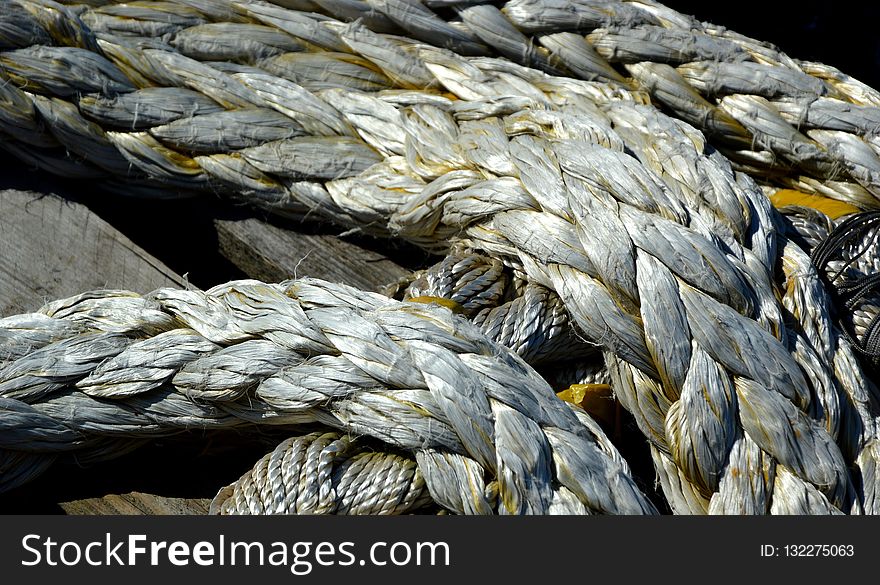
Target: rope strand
[(308, 352), (661, 252)]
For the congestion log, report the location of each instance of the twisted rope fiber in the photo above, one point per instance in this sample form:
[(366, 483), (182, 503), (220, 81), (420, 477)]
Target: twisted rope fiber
[(222, 131), (626, 243), (846, 253), (136, 112), (808, 227), (39, 21), (533, 322), (325, 473), (526, 317), (476, 286), (804, 283), (797, 123), (802, 124), (487, 432)]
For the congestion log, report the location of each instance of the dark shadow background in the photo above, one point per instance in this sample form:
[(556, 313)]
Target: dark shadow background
[(844, 33)]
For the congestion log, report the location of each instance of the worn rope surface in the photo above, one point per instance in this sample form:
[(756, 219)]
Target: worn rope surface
[(846, 251), (326, 473), (802, 124), (488, 433), (528, 318), (660, 252), (373, 482)]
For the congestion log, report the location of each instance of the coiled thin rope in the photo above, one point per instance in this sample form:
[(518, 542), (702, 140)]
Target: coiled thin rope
[(848, 258), (326, 473), (526, 317)]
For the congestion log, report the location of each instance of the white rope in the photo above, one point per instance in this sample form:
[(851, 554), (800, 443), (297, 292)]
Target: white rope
[(309, 352), (528, 318), (660, 252), (326, 473)]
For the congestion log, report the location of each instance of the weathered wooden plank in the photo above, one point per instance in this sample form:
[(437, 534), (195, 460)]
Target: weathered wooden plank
[(270, 253), (136, 503), (52, 248)]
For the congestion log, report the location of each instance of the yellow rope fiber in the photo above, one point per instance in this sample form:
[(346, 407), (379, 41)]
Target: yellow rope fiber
[(833, 208), (597, 399), (448, 303)]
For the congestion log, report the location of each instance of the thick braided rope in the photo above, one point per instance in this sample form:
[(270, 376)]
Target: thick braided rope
[(79, 103), (589, 371), (797, 123), (533, 322), (472, 282), (577, 209), (488, 433), (550, 256), (808, 227), (847, 254)]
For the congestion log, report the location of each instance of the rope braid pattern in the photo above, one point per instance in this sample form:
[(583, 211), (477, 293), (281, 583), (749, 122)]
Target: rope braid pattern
[(806, 226), (660, 252), (525, 317), (845, 252), (520, 315), (488, 434), (849, 258), (847, 255), (801, 124), (173, 72), (602, 248), (850, 273)]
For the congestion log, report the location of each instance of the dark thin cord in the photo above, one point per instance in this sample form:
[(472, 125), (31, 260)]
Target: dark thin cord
[(849, 291)]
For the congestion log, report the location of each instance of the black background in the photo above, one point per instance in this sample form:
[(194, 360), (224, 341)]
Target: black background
[(845, 34)]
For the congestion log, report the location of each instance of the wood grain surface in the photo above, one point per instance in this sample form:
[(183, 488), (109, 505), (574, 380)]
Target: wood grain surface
[(52, 248), (272, 253)]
